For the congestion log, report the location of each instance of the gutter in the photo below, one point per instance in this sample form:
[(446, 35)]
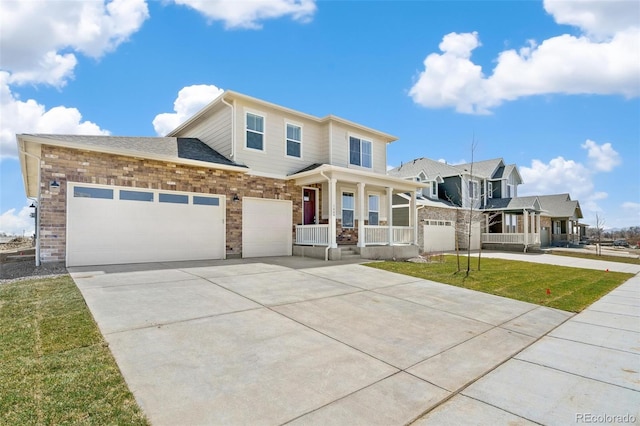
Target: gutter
[(233, 128), (37, 202)]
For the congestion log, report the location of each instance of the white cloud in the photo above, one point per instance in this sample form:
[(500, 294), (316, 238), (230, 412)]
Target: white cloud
[(31, 117), (37, 35), (604, 60), (190, 100), (249, 14), (628, 205), (17, 223), (561, 175), (603, 157)]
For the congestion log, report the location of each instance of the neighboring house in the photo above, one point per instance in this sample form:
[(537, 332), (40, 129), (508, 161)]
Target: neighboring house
[(242, 177), (501, 219), (561, 220)]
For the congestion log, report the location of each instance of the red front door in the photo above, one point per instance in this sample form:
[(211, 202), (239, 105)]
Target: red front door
[(309, 206)]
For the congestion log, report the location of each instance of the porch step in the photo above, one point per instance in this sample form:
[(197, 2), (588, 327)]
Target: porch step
[(349, 252)]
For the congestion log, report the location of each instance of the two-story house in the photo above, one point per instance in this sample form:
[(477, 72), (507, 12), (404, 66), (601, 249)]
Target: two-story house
[(242, 177), (490, 188)]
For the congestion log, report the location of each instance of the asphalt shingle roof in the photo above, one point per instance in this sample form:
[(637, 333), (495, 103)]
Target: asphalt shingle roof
[(430, 167), (185, 148)]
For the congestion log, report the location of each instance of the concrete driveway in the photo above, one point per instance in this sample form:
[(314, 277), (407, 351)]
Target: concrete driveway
[(294, 340)]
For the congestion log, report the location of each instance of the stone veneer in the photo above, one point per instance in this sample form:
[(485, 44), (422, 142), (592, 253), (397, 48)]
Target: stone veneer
[(70, 165)]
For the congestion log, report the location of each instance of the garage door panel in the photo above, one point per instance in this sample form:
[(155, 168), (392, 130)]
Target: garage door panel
[(266, 227), (108, 231)]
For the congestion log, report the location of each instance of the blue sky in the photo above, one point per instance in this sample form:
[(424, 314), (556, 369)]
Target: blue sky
[(551, 86)]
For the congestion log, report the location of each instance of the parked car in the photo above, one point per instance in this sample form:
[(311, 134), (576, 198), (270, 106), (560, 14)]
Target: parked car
[(620, 243)]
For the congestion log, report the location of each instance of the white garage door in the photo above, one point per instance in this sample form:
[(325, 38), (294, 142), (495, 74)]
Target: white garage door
[(112, 225), (439, 235), (266, 227)]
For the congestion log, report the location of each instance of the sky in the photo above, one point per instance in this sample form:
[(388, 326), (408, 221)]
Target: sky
[(551, 86)]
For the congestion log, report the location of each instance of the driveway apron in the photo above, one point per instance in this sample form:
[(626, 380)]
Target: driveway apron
[(274, 342)]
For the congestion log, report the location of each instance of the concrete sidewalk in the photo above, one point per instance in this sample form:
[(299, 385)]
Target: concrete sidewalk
[(584, 371), (292, 340), (574, 262)]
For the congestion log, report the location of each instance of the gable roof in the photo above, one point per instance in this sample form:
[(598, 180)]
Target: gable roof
[(431, 168), (484, 169), (560, 205)]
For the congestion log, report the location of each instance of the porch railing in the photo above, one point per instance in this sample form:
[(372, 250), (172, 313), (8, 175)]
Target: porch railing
[(531, 238), (379, 234), (317, 235)]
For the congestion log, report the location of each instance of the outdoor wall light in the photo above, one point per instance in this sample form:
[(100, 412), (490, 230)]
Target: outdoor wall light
[(54, 184), (236, 198)]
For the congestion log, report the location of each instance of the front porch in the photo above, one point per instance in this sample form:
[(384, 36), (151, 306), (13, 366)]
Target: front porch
[(512, 230), (352, 207)]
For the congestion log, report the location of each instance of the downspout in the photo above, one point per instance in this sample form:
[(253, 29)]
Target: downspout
[(233, 129), (37, 202), (326, 250)]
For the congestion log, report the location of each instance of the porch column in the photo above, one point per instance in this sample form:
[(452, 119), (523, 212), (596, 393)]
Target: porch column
[(526, 228), (332, 213), (390, 214), (414, 217), (361, 204), (538, 239)]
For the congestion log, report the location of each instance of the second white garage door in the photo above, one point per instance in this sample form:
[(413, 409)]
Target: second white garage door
[(266, 227), (110, 225)]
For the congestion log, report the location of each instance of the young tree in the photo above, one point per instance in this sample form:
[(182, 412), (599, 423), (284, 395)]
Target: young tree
[(599, 231)]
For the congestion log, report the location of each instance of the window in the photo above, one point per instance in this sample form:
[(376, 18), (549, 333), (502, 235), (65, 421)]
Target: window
[(255, 131), (136, 195), (347, 209), (490, 190), (434, 189), (374, 209), (294, 140), (85, 192), (174, 198), (206, 201), (473, 189), (359, 152), (512, 223)]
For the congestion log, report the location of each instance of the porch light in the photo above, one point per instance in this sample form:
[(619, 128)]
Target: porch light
[(236, 198), (54, 184)]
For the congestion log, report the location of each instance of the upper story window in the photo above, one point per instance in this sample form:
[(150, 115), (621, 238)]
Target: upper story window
[(490, 190), (255, 131), (473, 189), (434, 189), (294, 141), (359, 152)]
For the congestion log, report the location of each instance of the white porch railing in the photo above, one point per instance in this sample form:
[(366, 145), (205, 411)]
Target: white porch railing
[(532, 238), (403, 234), (317, 235), (379, 234), (375, 234)]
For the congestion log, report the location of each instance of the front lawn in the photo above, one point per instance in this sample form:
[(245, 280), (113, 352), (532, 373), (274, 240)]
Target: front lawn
[(571, 289), (55, 367)]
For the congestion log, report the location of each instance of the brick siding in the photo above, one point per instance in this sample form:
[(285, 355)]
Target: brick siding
[(69, 165)]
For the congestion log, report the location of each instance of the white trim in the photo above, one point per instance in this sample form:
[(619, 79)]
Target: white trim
[(286, 139), (369, 195), (262, 115), (490, 189)]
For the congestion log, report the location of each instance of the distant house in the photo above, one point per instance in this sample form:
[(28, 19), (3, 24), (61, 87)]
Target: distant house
[(242, 177), (503, 219)]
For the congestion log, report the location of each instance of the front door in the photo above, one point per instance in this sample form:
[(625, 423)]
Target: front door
[(309, 206)]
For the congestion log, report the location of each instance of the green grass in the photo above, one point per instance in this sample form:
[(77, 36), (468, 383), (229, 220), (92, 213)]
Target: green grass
[(55, 367), (593, 256), (572, 289)]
